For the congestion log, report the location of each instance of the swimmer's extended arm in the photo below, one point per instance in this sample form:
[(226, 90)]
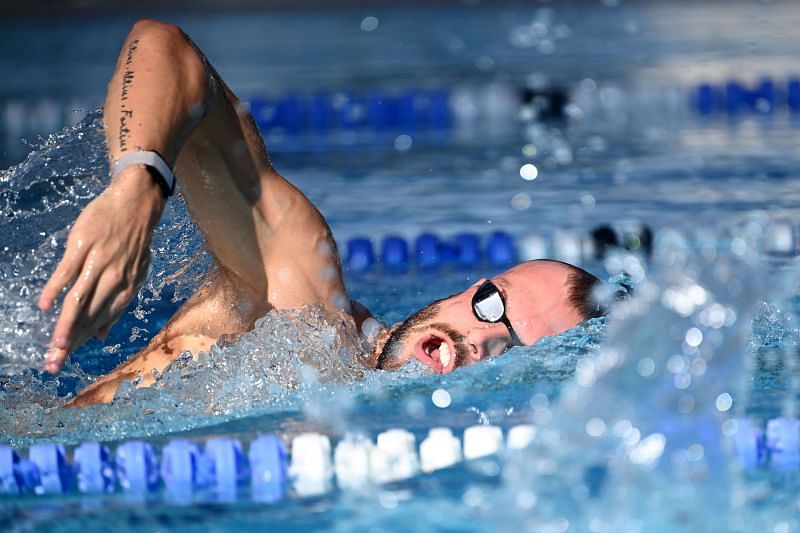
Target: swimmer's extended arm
[(165, 96), (159, 91)]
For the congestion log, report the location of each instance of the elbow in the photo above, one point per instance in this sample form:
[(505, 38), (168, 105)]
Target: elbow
[(173, 49), (143, 28), (164, 39)]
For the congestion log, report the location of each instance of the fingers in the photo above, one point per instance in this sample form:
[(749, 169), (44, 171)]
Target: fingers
[(65, 273), (110, 300), (54, 360), (102, 333), (68, 328), (67, 332), (90, 308), (104, 266)]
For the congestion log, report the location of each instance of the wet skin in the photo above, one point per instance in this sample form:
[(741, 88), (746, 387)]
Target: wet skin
[(536, 299), (272, 249)]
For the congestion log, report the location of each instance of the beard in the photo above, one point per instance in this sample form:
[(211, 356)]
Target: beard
[(392, 355)]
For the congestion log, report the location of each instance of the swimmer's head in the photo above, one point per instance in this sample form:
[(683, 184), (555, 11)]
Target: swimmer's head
[(523, 304)]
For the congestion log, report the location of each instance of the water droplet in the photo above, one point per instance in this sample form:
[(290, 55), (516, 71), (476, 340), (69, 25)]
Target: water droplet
[(529, 172), (441, 398), (724, 402), (369, 24)]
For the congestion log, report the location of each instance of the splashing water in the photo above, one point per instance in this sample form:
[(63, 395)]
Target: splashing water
[(639, 421), (292, 362), (288, 356), (640, 434), (633, 419), (41, 198)]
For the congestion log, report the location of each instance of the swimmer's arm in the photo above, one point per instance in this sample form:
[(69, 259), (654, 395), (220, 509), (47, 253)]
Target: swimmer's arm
[(158, 93)]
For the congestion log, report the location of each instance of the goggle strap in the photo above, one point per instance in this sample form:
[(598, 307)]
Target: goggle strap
[(514, 338)]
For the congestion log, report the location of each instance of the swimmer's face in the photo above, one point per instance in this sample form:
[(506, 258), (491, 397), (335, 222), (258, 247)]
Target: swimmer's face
[(447, 334)]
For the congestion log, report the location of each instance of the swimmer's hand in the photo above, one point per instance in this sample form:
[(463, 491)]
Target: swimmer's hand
[(105, 262)]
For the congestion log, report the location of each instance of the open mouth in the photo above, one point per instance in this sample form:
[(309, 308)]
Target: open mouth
[(436, 352)]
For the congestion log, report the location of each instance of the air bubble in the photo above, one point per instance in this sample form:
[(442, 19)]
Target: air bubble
[(646, 367), (596, 427), (694, 337), (441, 398), (403, 143), (369, 24), (529, 172), (521, 201), (724, 402)]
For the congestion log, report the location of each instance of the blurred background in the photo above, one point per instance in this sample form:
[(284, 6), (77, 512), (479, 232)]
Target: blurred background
[(444, 141), (336, 75)]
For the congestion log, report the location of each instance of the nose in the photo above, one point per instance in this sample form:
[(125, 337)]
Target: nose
[(488, 339)]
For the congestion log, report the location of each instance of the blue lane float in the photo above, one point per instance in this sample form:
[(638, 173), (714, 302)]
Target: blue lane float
[(17, 476), (782, 438), (394, 253), (54, 471), (468, 249), (223, 472), (221, 469), (734, 96), (28, 475), (411, 110), (777, 446), (500, 249), (296, 113), (183, 468), (706, 99), (764, 97), (94, 468), (268, 465), (137, 467), (9, 476), (793, 95), (230, 467), (430, 251), (360, 256)]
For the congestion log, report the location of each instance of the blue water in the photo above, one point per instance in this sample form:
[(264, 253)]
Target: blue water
[(710, 187)]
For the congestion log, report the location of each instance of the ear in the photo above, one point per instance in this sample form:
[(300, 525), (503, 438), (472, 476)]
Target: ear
[(380, 342)]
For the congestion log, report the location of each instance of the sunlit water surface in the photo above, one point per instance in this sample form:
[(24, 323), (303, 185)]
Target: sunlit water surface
[(633, 430)]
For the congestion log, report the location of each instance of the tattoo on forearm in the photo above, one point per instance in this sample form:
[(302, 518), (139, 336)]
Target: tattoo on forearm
[(125, 111)]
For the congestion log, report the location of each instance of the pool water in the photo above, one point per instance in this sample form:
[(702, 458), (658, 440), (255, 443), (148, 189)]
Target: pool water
[(635, 413)]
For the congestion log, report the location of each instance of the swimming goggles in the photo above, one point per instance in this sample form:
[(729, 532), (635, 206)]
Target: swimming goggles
[(488, 305)]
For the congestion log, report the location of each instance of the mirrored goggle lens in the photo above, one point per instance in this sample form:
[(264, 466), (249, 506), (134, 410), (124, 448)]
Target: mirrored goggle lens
[(490, 308)]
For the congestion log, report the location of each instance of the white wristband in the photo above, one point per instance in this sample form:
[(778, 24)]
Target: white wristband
[(149, 159)]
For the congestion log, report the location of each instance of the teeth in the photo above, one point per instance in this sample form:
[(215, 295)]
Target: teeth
[(444, 354)]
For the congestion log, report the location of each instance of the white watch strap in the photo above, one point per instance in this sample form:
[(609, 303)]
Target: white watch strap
[(150, 159)]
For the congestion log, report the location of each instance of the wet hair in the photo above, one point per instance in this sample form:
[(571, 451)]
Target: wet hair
[(581, 294)]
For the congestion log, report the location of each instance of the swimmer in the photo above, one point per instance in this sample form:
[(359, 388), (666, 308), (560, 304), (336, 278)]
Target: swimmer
[(167, 108)]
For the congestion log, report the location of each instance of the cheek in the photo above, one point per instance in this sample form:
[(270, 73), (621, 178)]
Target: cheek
[(380, 344), (497, 346), (531, 331)]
